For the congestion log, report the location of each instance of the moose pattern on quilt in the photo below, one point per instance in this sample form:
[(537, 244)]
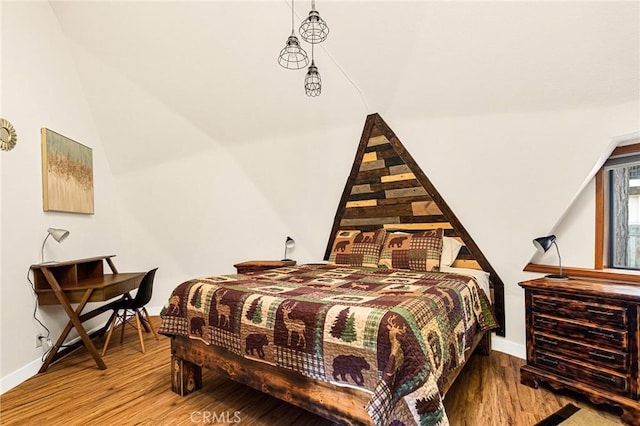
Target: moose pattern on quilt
[(394, 333)]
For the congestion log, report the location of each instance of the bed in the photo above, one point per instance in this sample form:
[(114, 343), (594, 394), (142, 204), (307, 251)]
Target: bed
[(378, 333), (387, 340)]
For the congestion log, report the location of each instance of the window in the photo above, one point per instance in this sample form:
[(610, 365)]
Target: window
[(624, 216), (618, 188)]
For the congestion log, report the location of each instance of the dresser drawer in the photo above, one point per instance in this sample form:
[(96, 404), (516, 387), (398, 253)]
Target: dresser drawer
[(571, 370), (582, 332), (598, 357), (610, 315)]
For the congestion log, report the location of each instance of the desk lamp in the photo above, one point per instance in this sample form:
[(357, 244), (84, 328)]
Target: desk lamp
[(289, 243), (58, 234), (543, 244)]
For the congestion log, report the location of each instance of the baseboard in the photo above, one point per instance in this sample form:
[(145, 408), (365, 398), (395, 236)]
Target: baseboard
[(12, 380), (503, 345)]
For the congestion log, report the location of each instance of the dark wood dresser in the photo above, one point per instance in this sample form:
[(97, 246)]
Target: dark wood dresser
[(583, 335)]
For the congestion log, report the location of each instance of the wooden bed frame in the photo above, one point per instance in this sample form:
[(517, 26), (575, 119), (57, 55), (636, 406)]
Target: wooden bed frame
[(385, 189), (341, 404)]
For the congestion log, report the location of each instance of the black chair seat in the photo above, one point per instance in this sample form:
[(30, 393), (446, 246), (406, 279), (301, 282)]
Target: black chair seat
[(136, 307)]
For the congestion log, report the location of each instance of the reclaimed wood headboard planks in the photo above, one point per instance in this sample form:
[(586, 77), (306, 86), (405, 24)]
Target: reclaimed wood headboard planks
[(386, 188)]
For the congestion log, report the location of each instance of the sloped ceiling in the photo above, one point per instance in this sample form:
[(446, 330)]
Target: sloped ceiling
[(211, 65)]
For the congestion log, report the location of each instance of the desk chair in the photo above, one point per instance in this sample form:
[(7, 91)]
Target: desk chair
[(132, 309)]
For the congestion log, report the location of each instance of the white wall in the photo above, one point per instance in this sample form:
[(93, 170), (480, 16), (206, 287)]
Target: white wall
[(202, 214), (40, 88), (508, 177)]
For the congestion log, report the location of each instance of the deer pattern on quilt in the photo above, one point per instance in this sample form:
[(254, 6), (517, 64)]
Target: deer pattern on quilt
[(294, 326), (396, 356), (224, 311)]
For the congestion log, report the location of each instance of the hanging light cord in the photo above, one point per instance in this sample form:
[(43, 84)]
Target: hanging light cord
[(292, 20), (364, 101)]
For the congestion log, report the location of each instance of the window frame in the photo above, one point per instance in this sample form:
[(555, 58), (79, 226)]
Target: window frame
[(602, 240)]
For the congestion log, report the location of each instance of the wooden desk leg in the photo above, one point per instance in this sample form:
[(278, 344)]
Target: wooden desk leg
[(74, 322), (65, 332)]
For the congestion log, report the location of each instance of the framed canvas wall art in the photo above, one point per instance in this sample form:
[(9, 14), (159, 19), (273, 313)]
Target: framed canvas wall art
[(67, 174)]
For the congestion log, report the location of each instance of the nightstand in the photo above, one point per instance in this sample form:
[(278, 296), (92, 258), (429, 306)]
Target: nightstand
[(261, 265), (583, 335)]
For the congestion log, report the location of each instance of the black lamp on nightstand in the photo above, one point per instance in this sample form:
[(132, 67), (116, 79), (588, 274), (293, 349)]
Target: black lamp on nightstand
[(289, 243), (543, 244)]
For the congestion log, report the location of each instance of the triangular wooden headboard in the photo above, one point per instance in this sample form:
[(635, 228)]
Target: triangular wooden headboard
[(387, 188)]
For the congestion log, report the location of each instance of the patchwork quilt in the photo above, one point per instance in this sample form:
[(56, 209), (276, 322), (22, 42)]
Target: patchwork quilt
[(396, 334)]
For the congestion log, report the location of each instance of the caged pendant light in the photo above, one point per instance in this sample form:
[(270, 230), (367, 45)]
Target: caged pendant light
[(314, 29), (312, 81), (293, 56)]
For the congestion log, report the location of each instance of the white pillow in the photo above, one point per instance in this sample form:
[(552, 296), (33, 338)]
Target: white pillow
[(450, 249), (481, 277)]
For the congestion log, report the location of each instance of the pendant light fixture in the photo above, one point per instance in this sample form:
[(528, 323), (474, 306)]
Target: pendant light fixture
[(293, 56), (312, 81), (313, 29)]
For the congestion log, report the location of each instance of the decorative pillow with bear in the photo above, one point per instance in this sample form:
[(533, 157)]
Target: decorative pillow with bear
[(418, 252), (357, 248)]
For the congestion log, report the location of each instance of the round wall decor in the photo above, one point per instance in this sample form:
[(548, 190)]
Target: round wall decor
[(8, 137)]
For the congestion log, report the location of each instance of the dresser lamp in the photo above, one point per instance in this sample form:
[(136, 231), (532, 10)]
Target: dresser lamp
[(58, 234), (289, 243), (543, 244)]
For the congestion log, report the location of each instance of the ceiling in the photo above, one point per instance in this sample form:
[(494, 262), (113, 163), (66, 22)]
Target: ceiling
[(212, 64)]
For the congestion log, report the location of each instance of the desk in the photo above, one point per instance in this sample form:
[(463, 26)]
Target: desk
[(80, 281)]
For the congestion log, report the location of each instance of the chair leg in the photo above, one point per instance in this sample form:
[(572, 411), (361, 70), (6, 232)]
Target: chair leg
[(111, 327), (136, 313), (146, 314), (124, 323)]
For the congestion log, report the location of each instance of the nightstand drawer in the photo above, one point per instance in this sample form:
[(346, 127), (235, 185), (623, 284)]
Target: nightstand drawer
[(596, 313), (598, 378), (598, 357), (614, 339)]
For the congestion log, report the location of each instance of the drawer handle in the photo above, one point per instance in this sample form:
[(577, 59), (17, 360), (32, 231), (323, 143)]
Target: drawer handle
[(604, 356), (545, 340), (601, 334), (602, 377), (599, 312), (546, 321), (548, 360)]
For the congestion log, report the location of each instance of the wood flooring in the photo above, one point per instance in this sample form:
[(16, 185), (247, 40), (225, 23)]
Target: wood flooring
[(135, 389)]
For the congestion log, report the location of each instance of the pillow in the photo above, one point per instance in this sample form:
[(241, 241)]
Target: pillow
[(357, 248), (419, 252), (481, 276), (450, 249)]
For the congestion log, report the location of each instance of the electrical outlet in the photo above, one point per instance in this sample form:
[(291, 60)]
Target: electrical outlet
[(39, 338)]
